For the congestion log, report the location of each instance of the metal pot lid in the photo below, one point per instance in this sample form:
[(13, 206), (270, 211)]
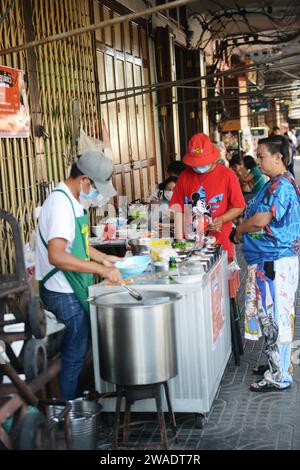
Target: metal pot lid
[(122, 299)]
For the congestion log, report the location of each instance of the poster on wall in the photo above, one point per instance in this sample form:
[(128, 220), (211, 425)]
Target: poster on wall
[(217, 312), (14, 109)]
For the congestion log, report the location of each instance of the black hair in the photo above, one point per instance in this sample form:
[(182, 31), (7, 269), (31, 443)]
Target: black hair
[(236, 154), (176, 167), (75, 172), (236, 160), (172, 179), (276, 128), (249, 162), (278, 143)]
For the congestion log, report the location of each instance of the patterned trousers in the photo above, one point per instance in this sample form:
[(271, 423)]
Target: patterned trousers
[(269, 310)]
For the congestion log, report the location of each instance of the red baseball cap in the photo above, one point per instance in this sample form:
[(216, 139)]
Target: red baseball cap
[(201, 151)]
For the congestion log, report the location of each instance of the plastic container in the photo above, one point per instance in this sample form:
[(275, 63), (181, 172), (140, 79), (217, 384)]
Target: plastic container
[(172, 263), (133, 265), (161, 266), (98, 230), (188, 219)]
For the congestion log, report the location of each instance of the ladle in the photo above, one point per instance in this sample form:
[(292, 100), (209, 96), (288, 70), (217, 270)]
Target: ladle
[(136, 295)]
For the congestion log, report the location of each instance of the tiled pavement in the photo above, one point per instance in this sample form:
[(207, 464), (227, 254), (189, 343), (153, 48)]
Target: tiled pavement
[(239, 419)]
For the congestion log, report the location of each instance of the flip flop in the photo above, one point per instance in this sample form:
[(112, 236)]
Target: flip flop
[(263, 387)]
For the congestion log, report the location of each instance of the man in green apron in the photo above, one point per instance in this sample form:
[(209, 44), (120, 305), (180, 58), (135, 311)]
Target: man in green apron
[(65, 263)]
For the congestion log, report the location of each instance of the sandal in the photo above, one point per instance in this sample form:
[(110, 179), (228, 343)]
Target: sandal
[(261, 369), (263, 387)]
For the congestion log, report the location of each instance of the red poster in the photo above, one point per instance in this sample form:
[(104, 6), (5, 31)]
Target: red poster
[(217, 313), (14, 110)]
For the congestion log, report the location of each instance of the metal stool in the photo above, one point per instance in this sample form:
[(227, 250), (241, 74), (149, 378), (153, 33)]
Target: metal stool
[(133, 393)]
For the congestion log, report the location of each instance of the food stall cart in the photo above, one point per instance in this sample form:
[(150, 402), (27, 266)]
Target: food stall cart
[(202, 322)]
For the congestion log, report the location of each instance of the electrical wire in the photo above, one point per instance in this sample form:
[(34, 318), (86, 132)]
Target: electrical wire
[(290, 17), (236, 71), (290, 74)]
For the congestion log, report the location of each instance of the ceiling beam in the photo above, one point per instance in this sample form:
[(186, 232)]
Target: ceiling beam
[(96, 26)]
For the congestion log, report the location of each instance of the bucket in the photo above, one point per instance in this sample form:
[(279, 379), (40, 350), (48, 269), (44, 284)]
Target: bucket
[(83, 422)]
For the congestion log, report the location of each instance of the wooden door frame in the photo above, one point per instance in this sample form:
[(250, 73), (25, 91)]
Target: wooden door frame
[(130, 167)]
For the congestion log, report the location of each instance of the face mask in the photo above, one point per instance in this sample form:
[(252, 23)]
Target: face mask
[(202, 169), (91, 195), (86, 203), (168, 195), (100, 201)]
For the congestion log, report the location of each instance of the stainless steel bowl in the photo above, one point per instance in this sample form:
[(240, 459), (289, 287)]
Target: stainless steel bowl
[(140, 246)]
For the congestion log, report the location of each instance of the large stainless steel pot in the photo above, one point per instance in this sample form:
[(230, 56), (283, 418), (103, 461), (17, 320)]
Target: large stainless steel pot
[(137, 343)]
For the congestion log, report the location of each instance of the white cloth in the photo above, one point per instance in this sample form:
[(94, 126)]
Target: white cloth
[(154, 196), (293, 138), (56, 220)]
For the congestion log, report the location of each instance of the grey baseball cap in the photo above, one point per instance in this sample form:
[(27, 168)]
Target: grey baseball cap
[(99, 169)]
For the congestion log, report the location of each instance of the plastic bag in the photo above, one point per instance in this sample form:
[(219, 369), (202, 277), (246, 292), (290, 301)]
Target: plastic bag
[(29, 258), (162, 253), (233, 266), (87, 143)]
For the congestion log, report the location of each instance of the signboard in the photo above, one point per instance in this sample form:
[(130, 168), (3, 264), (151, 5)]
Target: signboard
[(294, 109), (14, 110), (260, 132), (258, 103), (247, 141), (231, 125), (217, 311)]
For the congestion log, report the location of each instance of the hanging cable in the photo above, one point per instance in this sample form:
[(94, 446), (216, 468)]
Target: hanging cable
[(290, 17)]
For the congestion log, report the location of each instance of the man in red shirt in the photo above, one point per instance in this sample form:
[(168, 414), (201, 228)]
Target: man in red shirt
[(216, 185)]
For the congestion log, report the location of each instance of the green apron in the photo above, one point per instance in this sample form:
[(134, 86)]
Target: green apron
[(78, 281)]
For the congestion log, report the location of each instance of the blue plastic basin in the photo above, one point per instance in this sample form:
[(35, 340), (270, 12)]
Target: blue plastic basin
[(133, 265)]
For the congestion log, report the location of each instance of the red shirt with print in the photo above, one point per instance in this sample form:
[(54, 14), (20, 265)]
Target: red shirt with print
[(221, 190)]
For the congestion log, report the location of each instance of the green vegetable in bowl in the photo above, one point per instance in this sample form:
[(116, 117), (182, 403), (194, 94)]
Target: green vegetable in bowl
[(183, 244)]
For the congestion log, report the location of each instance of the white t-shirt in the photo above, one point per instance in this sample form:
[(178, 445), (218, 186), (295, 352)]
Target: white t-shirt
[(56, 220)]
